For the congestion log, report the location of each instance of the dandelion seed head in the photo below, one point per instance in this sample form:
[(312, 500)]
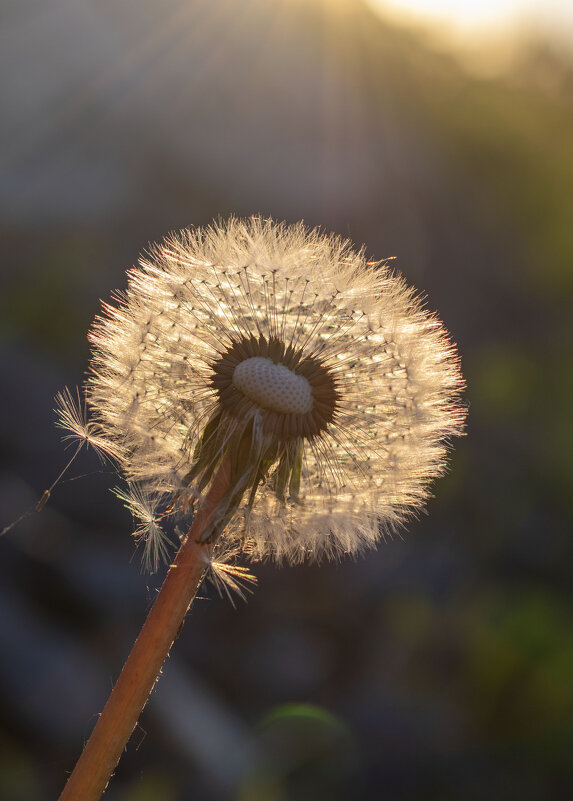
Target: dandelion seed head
[(318, 374)]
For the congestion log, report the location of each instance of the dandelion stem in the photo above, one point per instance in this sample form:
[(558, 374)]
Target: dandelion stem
[(119, 717)]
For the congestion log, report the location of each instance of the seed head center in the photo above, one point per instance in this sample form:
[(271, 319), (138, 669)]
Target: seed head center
[(273, 386)]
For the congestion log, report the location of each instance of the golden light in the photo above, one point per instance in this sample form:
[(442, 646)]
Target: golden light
[(463, 15)]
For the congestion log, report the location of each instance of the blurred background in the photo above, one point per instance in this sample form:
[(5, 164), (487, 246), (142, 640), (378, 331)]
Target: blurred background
[(439, 133)]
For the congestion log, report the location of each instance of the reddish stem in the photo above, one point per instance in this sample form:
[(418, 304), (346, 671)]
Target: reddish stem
[(117, 721)]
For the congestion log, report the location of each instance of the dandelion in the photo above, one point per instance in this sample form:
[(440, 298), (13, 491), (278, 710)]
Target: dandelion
[(318, 375), (274, 393)]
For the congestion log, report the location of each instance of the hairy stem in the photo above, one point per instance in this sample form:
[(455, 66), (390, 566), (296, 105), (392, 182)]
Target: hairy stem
[(117, 721)]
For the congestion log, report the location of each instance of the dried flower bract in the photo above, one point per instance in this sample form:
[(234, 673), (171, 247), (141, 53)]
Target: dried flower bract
[(317, 375)]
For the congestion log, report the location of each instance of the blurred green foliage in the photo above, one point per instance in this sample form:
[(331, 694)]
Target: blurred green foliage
[(305, 753)]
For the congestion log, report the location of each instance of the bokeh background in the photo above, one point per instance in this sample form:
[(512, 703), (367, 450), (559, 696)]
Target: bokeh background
[(439, 667)]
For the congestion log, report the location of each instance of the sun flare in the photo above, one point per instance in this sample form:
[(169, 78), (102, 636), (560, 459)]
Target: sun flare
[(461, 14)]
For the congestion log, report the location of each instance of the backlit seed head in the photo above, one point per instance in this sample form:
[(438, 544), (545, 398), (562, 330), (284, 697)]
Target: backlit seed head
[(319, 375)]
